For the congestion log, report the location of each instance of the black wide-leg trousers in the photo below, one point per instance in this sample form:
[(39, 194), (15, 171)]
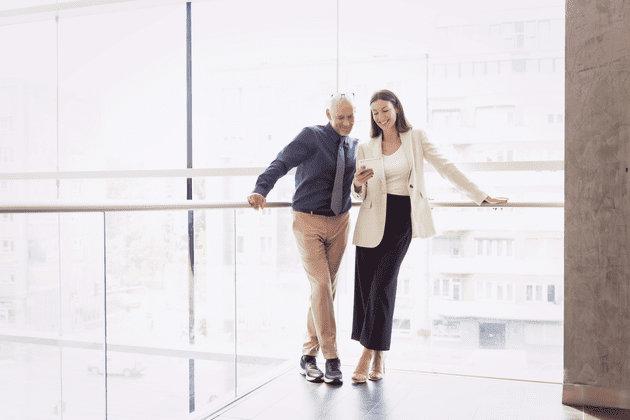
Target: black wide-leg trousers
[(376, 277)]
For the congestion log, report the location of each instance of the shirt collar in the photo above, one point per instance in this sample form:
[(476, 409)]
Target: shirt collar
[(336, 137)]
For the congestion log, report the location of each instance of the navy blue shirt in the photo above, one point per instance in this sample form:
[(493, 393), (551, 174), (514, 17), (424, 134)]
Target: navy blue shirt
[(314, 152)]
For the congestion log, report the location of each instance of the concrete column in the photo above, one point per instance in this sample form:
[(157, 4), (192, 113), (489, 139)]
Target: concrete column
[(597, 204)]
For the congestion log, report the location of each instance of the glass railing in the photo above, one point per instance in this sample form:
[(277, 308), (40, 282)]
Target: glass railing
[(100, 312)]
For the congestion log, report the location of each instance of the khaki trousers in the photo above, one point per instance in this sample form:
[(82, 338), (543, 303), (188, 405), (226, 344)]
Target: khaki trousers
[(321, 241)]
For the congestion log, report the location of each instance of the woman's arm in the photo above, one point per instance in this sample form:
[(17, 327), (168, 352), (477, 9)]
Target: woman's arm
[(448, 170)]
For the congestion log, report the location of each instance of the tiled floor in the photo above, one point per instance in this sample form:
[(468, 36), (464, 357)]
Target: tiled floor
[(405, 396)]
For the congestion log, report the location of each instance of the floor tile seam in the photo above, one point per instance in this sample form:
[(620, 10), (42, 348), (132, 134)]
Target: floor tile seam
[(398, 403), (243, 404)]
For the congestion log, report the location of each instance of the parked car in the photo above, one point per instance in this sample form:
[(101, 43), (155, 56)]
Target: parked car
[(118, 364)]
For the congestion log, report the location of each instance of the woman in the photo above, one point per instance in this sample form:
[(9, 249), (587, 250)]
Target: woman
[(394, 210)]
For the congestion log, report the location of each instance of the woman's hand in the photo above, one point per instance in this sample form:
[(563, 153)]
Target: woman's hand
[(495, 200), (361, 177)]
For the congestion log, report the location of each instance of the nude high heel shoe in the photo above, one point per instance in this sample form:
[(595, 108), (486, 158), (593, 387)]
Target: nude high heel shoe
[(360, 376), (378, 367)]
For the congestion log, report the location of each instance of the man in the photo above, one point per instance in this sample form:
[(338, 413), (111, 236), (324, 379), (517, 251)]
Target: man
[(325, 159)]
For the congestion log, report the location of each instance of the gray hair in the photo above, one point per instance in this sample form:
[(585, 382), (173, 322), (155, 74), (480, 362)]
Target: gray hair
[(333, 104)]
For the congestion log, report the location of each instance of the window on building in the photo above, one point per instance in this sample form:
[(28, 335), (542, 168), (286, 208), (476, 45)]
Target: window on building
[(6, 125), (6, 155), (494, 116), (240, 244), (546, 65), (492, 68), (446, 245), (265, 244), (446, 118), (406, 289), (506, 67), (8, 245), (466, 70), (550, 293), (444, 330), (558, 65), (452, 70), (494, 247), (439, 71), (441, 32), (479, 69), (7, 278), (447, 288), (401, 325), (531, 42), (531, 66)]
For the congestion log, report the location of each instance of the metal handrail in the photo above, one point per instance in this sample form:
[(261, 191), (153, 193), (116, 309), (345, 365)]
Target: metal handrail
[(549, 165), (67, 206)]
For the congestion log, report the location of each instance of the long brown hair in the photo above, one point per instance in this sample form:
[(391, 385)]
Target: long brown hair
[(402, 125)]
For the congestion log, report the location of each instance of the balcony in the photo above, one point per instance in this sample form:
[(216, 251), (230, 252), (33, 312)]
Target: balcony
[(107, 309), (528, 312), (496, 265)]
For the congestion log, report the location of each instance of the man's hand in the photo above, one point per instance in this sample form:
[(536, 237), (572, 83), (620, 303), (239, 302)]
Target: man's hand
[(257, 201)]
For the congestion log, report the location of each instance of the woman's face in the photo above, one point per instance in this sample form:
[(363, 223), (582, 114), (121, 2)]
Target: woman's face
[(384, 114)]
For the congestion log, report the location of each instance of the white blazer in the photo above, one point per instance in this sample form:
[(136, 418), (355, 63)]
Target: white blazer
[(368, 231)]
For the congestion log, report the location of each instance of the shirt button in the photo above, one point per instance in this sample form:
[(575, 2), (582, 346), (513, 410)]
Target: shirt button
[(410, 186)]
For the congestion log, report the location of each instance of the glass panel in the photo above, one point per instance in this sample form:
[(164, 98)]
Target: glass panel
[(21, 4), (34, 389), (272, 298), (214, 332), (120, 106), (28, 111), (83, 381), (250, 68)]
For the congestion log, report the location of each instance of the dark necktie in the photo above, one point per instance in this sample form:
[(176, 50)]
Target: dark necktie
[(337, 193)]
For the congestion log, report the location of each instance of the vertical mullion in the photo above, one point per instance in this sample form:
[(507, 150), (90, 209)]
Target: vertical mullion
[(105, 303), (191, 229), (235, 308)]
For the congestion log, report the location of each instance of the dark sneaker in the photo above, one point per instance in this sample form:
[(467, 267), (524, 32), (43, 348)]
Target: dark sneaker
[(309, 369), (333, 372)]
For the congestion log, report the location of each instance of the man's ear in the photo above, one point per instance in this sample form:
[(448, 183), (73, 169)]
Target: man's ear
[(328, 115)]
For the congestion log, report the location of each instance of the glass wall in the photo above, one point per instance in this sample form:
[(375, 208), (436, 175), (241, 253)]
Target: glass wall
[(103, 88)]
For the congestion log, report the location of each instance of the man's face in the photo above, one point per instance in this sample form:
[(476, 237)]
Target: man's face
[(341, 116)]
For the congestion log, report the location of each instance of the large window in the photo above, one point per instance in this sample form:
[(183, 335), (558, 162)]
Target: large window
[(93, 108)]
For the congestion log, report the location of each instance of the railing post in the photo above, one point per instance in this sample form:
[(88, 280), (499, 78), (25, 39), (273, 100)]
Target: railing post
[(191, 225)]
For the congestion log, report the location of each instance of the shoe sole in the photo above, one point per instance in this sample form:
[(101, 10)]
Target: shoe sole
[(333, 381), (309, 378)]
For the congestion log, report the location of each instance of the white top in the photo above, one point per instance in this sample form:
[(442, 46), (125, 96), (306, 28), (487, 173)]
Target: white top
[(396, 172)]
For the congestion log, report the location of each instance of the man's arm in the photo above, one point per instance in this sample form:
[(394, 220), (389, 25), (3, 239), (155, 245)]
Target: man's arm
[(294, 153)]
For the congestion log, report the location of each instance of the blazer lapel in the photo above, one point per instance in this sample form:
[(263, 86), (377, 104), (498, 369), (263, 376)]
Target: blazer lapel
[(377, 150), (406, 143)]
